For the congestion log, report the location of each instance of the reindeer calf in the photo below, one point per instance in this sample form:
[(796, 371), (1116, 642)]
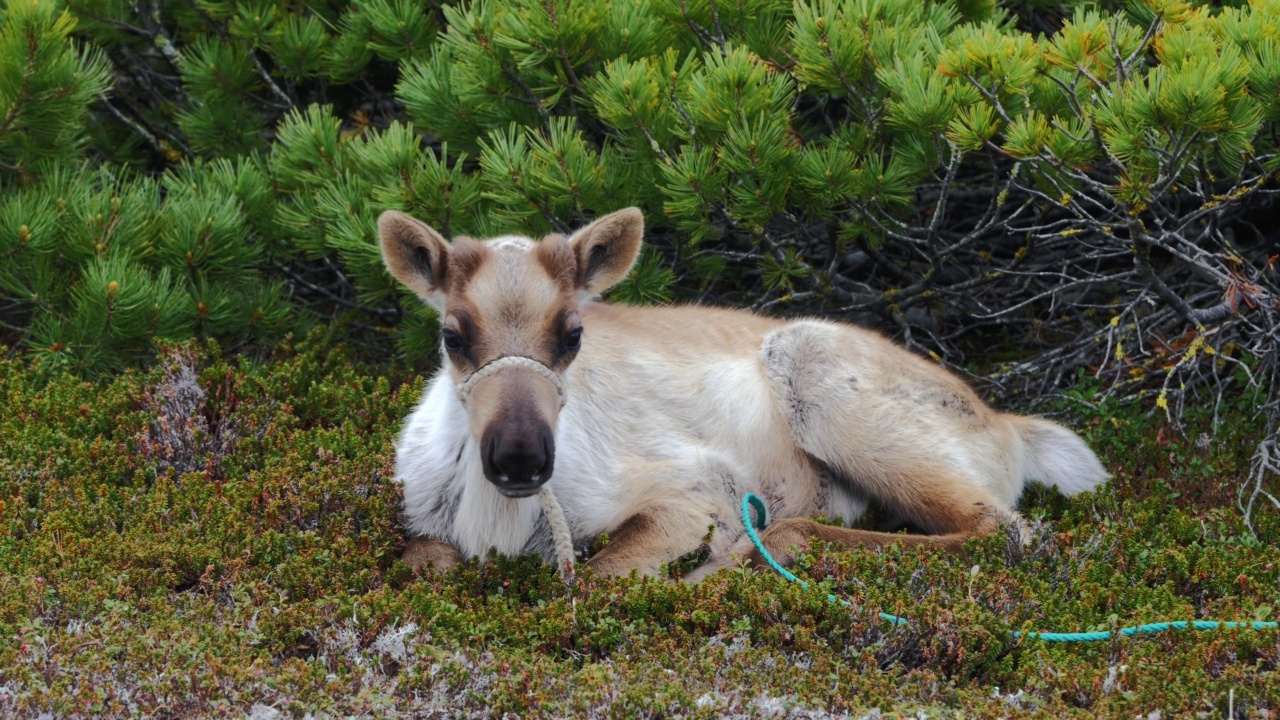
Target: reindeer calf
[(653, 422)]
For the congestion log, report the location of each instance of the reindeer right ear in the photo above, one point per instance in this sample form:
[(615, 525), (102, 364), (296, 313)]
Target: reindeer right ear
[(606, 249), (416, 255)]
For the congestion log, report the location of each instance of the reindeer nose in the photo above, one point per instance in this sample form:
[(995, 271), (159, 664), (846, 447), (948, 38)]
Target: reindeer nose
[(519, 463)]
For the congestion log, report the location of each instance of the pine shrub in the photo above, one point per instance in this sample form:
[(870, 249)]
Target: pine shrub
[(1028, 189)]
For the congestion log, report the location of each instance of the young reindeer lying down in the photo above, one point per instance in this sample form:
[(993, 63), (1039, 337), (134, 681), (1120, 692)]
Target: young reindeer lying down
[(653, 422)]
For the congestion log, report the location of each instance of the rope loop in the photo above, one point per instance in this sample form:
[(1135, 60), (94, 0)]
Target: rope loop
[(494, 367), (752, 501)]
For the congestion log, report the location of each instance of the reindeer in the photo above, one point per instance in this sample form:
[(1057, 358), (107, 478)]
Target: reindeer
[(653, 422)]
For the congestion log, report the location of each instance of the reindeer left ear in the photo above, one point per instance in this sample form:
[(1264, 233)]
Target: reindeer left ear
[(606, 249), (416, 255)]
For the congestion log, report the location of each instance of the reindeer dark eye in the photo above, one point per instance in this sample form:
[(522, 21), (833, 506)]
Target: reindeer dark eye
[(573, 340), (452, 340)]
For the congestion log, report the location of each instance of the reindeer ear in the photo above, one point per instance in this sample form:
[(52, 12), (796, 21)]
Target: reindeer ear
[(606, 249), (416, 255)]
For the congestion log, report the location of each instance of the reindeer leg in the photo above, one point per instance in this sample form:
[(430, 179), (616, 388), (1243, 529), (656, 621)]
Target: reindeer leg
[(891, 441), (424, 554), (785, 537), (649, 539), (682, 499)]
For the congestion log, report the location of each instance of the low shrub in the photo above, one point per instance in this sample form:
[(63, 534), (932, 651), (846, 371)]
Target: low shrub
[(207, 539)]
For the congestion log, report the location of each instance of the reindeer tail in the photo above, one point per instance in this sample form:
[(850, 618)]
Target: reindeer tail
[(1056, 456)]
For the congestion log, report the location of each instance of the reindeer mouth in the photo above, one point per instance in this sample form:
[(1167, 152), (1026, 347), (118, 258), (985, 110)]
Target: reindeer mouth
[(519, 491)]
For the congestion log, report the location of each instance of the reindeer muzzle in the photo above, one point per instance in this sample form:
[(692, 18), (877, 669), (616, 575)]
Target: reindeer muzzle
[(517, 445)]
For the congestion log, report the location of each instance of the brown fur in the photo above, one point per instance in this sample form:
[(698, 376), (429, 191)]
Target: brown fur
[(631, 547), (783, 538), (952, 516), (424, 553)]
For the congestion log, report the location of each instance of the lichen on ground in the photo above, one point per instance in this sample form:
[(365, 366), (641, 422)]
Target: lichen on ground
[(209, 539)]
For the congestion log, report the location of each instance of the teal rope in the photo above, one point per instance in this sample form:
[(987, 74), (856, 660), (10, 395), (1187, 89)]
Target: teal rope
[(753, 501)]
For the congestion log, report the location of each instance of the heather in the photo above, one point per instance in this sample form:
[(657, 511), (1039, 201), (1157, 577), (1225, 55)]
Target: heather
[(213, 538)]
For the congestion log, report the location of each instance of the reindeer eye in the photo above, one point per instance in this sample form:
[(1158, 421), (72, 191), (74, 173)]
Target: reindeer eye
[(573, 340), (452, 340)]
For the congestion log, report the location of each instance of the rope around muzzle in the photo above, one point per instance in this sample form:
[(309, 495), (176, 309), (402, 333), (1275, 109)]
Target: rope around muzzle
[(550, 505), (752, 501), (496, 366)]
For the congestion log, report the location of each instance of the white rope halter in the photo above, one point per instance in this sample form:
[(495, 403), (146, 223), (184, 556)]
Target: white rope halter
[(550, 505), (496, 366)]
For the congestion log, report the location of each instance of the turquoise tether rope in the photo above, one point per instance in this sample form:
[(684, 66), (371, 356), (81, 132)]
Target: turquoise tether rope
[(753, 501)]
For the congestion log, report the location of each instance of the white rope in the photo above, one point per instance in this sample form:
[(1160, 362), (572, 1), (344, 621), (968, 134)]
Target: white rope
[(559, 531), (502, 363)]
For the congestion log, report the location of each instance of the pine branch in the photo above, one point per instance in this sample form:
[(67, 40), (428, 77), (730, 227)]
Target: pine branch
[(22, 97), (151, 139)]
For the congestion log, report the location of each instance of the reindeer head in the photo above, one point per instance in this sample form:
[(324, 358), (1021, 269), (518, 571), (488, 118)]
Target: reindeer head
[(510, 326)]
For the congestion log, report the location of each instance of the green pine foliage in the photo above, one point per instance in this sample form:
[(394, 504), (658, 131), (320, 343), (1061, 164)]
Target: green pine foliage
[(47, 81), (98, 263), (250, 146)]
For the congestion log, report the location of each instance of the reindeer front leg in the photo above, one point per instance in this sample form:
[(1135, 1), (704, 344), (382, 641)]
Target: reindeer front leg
[(649, 539), (670, 520), (424, 554), (676, 501)]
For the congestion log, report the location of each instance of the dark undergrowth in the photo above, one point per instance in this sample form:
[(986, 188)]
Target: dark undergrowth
[(209, 539)]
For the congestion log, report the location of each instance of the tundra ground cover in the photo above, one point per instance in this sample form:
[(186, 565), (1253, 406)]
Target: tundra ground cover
[(210, 539)]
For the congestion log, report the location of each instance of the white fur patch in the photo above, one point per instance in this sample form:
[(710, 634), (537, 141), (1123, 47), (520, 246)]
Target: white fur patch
[(845, 504), (447, 496), (1056, 456), (487, 519), (510, 242)]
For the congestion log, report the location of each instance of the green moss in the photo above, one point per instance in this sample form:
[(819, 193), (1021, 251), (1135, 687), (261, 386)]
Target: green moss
[(206, 537)]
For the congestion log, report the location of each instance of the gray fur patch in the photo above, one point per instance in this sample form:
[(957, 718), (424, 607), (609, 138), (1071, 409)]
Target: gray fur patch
[(445, 507), (732, 490), (541, 541), (956, 403)]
